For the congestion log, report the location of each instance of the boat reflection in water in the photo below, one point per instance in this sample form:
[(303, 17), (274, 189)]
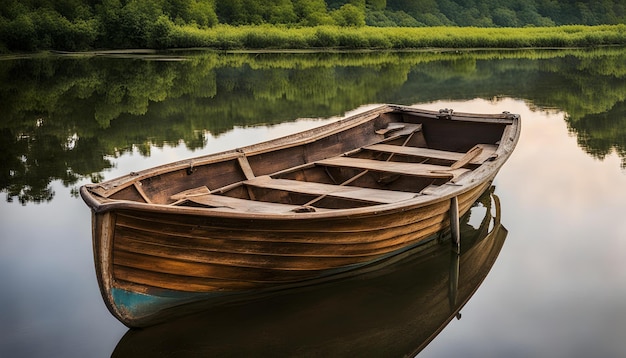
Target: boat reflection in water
[(391, 309)]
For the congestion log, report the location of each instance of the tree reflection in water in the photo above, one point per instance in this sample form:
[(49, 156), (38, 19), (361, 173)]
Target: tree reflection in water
[(65, 118)]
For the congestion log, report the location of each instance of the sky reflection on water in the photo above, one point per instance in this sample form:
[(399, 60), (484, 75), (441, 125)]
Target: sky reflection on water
[(558, 288)]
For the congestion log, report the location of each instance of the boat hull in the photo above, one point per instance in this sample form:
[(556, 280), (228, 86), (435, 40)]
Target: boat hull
[(394, 308), (292, 211), (150, 261)]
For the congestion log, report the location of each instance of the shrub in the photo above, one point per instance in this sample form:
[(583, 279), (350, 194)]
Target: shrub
[(326, 36), (353, 39), (349, 15)]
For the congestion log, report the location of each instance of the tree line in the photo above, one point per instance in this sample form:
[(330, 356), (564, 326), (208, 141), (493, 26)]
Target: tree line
[(30, 25)]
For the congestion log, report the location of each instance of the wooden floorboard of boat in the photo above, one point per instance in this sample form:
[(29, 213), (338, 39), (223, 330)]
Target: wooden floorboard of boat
[(342, 191), (414, 169)]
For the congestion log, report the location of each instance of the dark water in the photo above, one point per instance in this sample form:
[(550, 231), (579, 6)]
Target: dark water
[(557, 288)]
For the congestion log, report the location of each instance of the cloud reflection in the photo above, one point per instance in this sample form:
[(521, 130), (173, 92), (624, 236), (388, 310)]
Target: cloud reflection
[(559, 288)]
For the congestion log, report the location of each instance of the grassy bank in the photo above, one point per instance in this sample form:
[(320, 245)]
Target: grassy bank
[(273, 37)]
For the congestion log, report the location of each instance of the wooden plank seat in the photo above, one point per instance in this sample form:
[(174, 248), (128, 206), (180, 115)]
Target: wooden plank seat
[(488, 151), (414, 169), (230, 204), (245, 205), (380, 196)]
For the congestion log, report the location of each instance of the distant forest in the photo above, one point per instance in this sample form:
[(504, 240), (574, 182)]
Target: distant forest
[(29, 25)]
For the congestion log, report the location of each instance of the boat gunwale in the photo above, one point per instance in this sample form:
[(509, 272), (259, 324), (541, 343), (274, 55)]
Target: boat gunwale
[(360, 212)]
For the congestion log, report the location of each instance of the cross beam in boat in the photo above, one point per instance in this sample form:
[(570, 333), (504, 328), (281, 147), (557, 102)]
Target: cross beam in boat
[(488, 151), (226, 203), (342, 191), (403, 168)]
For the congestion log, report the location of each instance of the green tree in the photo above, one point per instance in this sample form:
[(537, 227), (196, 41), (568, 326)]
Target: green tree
[(505, 17), (230, 12), (130, 25), (280, 12), (199, 12), (349, 15), (376, 5), (312, 12), (19, 34)]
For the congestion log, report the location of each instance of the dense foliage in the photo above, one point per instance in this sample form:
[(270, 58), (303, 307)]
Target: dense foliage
[(27, 25), (64, 117)]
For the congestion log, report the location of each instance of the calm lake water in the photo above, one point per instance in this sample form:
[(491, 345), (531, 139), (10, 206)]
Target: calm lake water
[(556, 289)]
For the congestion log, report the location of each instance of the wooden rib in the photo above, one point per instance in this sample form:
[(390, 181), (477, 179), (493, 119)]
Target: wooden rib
[(471, 154), (247, 171), (245, 166), (349, 192), (414, 169), (139, 189)]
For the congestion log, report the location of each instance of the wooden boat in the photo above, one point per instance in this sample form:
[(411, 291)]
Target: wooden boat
[(290, 210), (393, 309)]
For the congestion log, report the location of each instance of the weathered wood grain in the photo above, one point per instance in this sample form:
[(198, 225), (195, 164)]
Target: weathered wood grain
[(415, 169), (350, 192)]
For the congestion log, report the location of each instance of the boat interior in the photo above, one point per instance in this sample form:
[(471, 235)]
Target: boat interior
[(395, 157)]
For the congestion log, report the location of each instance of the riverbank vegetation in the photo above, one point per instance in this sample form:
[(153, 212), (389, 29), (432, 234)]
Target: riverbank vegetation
[(77, 25), (272, 37)]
